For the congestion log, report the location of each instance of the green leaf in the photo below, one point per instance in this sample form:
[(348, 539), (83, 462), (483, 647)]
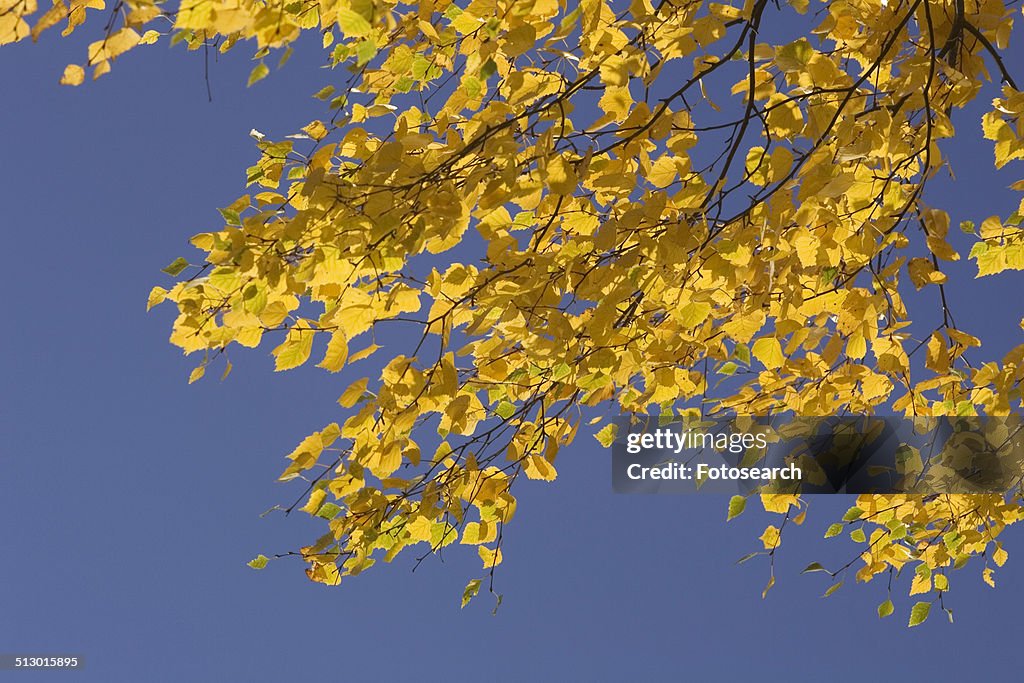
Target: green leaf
[(230, 217), (365, 51), (473, 86), (897, 529), (736, 506), (748, 556), (285, 57), (176, 266), (728, 368), (918, 613), (832, 589), (742, 352), (813, 567), (258, 562), (857, 536), (328, 511), (258, 73), (488, 69), (505, 410), (885, 609), (352, 23), (607, 435), (834, 530), (497, 603), (853, 514), (471, 591), (561, 370)]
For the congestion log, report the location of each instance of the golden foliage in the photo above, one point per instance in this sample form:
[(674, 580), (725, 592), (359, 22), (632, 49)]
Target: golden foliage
[(632, 238)]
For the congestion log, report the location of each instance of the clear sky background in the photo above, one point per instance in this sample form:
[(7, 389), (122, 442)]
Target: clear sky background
[(129, 501)]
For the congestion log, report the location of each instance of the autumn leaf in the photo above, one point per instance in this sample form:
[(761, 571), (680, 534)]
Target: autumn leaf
[(528, 222)]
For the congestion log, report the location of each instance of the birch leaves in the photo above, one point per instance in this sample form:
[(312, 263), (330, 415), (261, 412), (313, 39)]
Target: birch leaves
[(573, 205)]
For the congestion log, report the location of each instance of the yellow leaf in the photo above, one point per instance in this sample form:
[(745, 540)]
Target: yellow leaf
[(942, 249), (937, 358), (337, 352), (385, 459), (779, 502), (52, 17), (561, 176), (694, 314), (156, 296), (806, 245), (365, 353), (537, 467), (316, 499), (616, 102), (923, 272), (989, 577), (756, 164), (294, 350), (769, 352), (316, 130), (519, 40), (491, 557), (101, 69), (419, 528), (326, 573), (922, 583), (258, 73), (110, 47), (663, 172), (771, 538), (73, 75), (429, 31), (355, 391), (856, 346), (476, 533)]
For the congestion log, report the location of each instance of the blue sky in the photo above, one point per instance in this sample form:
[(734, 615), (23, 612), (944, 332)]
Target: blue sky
[(130, 501)]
